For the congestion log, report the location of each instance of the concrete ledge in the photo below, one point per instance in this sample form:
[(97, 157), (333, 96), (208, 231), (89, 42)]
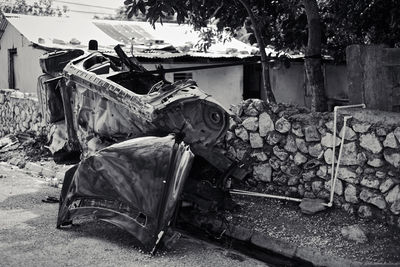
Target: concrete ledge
[(290, 250), (273, 244)]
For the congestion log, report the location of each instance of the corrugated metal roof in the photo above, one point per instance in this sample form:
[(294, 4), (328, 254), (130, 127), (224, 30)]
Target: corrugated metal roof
[(61, 33), (3, 25)]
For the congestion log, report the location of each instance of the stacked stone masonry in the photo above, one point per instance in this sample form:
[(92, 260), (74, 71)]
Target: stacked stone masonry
[(289, 152), (19, 113)]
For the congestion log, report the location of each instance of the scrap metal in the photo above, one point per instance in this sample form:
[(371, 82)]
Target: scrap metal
[(135, 136)]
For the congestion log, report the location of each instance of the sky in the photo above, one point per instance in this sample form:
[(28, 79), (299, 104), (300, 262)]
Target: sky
[(87, 8)]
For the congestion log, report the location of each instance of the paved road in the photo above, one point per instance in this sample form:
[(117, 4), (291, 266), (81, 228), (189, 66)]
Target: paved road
[(28, 236)]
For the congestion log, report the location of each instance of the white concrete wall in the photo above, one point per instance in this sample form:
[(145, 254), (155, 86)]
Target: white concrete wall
[(26, 62), (336, 81), (224, 84), (288, 84)]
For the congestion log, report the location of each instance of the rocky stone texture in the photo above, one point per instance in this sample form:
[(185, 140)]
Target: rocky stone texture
[(312, 206), (364, 211), (350, 134), (260, 156), (338, 187), (20, 113), (251, 123), (256, 141), (392, 158), (354, 233), (290, 144), (262, 172), (311, 133), (327, 140), (265, 124), (350, 194), (393, 195), (299, 159), (371, 143), (316, 150), (361, 127), (390, 141), (282, 125), (290, 150), (242, 133), (370, 182), (386, 185), (375, 162), (349, 154), (373, 198)]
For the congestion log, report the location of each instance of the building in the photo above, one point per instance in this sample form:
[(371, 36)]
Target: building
[(23, 39)]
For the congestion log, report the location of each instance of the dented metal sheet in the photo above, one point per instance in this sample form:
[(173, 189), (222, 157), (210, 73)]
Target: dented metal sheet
[(134, 184), (101, 101)]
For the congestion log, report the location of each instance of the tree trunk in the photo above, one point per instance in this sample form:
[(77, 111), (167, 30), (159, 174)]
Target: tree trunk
[(269, 95), (313, 58)]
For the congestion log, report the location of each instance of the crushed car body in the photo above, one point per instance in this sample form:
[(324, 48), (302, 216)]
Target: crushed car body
[(101, 108), (134, 184)]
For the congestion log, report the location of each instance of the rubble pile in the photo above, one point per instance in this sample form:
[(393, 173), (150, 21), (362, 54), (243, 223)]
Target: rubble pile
[(19, 113), (289, 150)]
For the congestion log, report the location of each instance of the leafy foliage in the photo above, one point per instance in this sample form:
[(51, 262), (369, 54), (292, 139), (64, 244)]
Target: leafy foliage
[(360, 22), (39, 8), (283, 23)]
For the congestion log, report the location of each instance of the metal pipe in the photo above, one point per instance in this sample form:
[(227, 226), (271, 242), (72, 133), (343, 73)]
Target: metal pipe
[(333, 181), (334, 130), (247, 193), (335, 110)]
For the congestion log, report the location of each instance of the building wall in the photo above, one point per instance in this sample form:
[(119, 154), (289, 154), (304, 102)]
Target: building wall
[(288, 84), (224, 84), (26, 62), (374, 76)]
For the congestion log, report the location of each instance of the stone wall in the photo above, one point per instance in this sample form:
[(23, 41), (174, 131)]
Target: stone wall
[(19, 112), (289, 151)]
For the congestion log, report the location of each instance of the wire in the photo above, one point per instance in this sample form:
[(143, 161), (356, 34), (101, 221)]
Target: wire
[(88, 12), (79, 4)]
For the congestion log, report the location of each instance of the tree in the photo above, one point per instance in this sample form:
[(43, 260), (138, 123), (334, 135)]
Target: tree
[(359, 22), (291, 25), (200, 13), (38, 8), (313, 57)]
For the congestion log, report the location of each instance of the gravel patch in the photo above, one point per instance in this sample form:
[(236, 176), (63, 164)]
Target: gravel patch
[(322, 231)]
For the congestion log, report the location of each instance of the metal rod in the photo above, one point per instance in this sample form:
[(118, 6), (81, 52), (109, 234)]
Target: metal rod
[(335, 110), (333, 182), (248, 193)]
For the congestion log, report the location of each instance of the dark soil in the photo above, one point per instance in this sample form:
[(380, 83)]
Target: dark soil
[(28, 149), (322, 231)]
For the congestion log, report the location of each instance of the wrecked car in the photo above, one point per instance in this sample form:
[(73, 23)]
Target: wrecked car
[(137, 138)]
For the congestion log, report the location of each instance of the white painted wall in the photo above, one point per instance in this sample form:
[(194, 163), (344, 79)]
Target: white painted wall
[(288, 84), (224, 84), (26, 62)]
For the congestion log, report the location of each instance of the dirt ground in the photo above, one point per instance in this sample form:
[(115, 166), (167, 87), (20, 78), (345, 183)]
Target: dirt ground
[(28, 235), (283, 220), (322, 231)]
